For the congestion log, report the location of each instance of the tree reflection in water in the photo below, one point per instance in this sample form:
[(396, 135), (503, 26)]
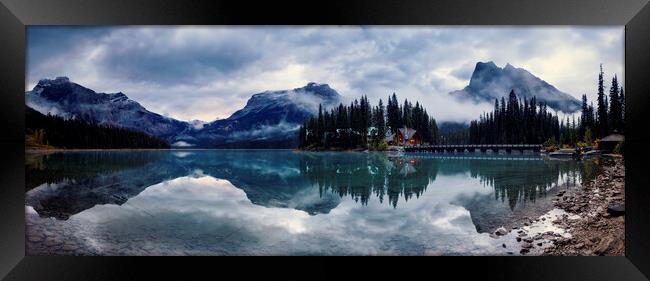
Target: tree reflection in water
[(360, 177), (62, 184), (514, 179)]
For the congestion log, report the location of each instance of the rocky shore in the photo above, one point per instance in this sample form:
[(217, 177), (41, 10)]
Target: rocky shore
[(587, 220), (600, 205)]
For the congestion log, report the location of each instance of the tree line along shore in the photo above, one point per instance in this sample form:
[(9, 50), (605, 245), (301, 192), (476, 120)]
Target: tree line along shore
[(361, 126), (48, 132), (514, 120)]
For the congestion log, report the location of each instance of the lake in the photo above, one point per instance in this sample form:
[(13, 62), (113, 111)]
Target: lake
[(283, 202)]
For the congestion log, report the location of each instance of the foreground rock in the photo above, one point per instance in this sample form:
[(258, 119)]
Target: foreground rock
[(600, 206), (616, 209)]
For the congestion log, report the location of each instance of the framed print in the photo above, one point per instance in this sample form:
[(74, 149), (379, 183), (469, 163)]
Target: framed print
[(509, 132)]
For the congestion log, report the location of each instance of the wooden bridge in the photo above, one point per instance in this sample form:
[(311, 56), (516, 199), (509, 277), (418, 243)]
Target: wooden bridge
[(474, 156), (508, 148)]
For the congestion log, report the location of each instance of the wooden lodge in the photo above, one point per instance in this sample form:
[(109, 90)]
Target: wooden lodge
[(608, 143), (407, 136)]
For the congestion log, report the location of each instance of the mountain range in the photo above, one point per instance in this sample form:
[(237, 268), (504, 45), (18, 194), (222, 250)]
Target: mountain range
[(489, 82), (269, 119)]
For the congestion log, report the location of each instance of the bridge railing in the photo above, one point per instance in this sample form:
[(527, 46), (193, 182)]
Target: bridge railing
[(475, 146)]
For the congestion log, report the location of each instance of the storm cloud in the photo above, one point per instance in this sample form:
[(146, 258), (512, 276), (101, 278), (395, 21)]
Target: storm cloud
[(210, 72)]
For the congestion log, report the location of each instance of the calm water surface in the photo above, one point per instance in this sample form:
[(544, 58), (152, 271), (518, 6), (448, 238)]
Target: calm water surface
[(279, 202)]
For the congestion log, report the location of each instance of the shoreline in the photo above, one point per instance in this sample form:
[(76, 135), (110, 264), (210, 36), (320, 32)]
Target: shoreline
[(600, 204), (53, 150), (32, 150), (587, 220)]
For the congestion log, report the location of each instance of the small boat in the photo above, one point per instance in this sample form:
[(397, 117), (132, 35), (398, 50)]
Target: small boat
[(563, 153)]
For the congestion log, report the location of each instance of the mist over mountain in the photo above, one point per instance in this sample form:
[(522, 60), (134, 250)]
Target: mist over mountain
[(489, 82), (64, 98), (269, 120)]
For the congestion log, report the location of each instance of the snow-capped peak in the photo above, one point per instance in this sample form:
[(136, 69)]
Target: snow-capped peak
[(117, 97), (58, 80)]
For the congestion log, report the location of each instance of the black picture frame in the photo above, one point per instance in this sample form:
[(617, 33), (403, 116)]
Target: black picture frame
[(16, 14)]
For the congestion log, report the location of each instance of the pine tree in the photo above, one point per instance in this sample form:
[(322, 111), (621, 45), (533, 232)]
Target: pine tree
[(588, 138), (84, 133), (320, 126), (406, 114), (380, 122), (517, 121), (584, 117), (393, 114), (622, 104), (602, 107), (614, 106), (573, 133), (348, 126), (433, 127)]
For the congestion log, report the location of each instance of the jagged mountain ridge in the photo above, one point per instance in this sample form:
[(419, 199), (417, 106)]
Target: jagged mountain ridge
[(489, 81), (271, 117), (269, 120), (64, 98)]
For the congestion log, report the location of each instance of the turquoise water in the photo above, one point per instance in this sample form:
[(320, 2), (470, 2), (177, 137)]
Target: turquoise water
[(281, 202)]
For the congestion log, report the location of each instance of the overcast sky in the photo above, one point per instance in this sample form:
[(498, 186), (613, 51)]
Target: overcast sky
[(210, 72)]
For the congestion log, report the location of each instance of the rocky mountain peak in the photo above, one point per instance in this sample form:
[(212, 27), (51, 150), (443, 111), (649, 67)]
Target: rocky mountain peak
[(57, 81), (489, 82)]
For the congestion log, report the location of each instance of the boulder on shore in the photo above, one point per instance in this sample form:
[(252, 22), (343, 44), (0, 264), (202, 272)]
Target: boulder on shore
[(616, 209), (501, 231)]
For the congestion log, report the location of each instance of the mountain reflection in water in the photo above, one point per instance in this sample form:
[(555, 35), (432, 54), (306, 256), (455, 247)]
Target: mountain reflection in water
[(61, 185)]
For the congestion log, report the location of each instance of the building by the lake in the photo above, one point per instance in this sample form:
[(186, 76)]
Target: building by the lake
[(608, 143), (408, 136)]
